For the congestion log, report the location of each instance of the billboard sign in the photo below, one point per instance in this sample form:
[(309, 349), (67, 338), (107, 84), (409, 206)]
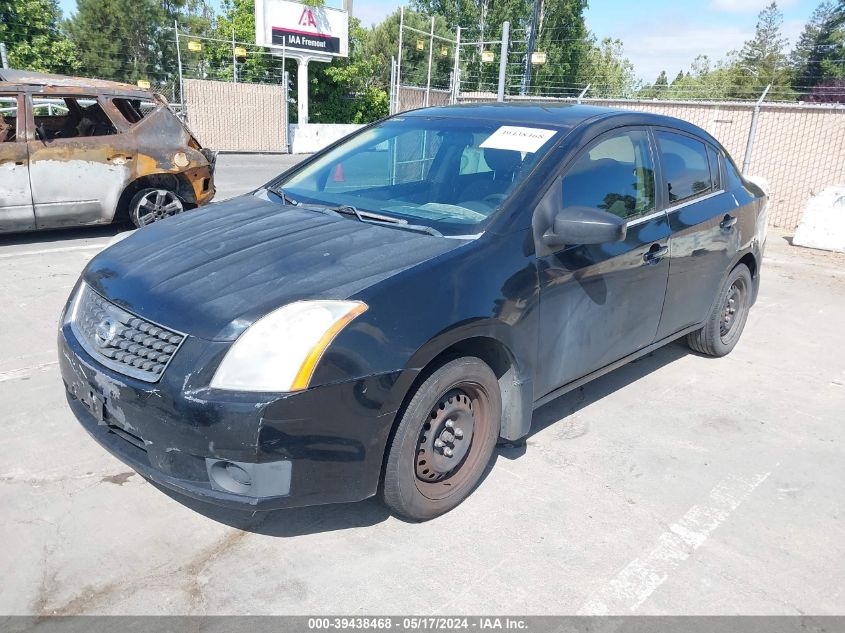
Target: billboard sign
[(299, 28)]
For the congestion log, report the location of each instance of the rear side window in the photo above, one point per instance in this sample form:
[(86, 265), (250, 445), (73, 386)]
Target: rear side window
[(616, 174), (133, 110), (715, 171), (686, 167), (8, 118), (58, 117)]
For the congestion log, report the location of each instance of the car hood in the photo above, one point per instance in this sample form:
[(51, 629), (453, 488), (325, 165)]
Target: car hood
[(212, 272)]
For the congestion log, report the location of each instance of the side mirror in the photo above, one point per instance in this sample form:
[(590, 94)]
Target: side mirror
[(584, 225), (41, 133)]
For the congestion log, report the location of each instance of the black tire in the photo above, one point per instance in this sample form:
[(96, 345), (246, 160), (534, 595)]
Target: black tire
[(726, 322), (461, 401), (152, 204)]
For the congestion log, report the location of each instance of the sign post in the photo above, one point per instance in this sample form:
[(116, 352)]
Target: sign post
[(305, 33)]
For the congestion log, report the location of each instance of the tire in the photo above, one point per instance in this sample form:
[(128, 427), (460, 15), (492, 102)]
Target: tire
[(726, 322), (150, 205), (458, 406)]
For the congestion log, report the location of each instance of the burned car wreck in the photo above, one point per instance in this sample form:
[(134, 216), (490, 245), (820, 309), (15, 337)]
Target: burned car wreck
[(77, 152)]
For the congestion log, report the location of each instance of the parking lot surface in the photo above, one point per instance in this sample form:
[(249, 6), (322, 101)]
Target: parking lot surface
[(677, 484)]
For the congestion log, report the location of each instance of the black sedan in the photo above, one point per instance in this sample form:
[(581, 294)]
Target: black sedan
[(376, 318)]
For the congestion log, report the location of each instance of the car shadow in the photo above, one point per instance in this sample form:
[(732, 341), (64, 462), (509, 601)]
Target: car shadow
[(570, 403), (343, 516), (58, 235)]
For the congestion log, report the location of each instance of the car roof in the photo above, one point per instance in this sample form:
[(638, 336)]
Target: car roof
[(559, 115), (65, 83)]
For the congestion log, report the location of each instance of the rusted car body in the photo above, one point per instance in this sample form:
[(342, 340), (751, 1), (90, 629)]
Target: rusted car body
[(78, 152)]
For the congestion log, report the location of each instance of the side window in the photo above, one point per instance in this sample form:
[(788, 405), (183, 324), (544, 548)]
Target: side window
[(686, 168), (616, 175), (133, 110), (59, 117), (8, 118), (715, 171)]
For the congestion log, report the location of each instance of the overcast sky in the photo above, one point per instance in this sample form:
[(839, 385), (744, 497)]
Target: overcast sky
[(658, 34)]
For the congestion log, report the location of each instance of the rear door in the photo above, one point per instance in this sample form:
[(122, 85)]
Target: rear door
[(602, 302), (15, 194), (702, 217), (78, 163)]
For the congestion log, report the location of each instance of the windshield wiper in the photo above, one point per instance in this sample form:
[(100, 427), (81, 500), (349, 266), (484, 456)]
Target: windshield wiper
[(377, 218), (361, 216), (285, 197)]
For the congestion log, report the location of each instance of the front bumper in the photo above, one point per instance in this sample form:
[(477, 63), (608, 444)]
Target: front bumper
[(322, 445)]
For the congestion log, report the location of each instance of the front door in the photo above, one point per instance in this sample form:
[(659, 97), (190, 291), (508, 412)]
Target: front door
[(599, 303), (78, 163), (15, 194)]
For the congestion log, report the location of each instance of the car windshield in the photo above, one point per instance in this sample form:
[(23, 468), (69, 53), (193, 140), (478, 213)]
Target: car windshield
[(450, 174)]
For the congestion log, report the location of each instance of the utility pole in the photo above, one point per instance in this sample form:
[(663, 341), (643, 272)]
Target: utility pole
[(503, 61), (3, 58), (179, 64), (532, 38), (430, 52)]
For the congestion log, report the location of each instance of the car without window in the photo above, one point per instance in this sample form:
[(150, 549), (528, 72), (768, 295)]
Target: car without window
[(82, 151), (373, 320)]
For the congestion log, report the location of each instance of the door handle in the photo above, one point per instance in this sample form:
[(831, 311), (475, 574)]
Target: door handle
[(728, 223), (655, 254)]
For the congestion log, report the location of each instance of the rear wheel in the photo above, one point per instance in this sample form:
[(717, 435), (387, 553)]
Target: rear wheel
[(149, 205), (444, 440), (723, 328)]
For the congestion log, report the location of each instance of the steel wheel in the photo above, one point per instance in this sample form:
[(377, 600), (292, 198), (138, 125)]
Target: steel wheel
[(724, 326), (151, 205), (444, 440), (446, 455), (734, 302)]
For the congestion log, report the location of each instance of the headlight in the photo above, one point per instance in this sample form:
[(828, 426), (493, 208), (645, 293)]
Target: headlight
[(280, 351)]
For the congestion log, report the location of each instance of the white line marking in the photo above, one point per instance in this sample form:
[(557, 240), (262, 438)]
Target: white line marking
[(17, 374), (60, 249), (632, 586)]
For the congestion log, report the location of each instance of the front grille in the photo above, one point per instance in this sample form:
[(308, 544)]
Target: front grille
[(121, 340)]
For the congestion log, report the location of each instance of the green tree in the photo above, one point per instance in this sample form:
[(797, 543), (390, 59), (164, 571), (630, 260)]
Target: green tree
[(762, 60), (817, 57), (32, 32), (609, 73)]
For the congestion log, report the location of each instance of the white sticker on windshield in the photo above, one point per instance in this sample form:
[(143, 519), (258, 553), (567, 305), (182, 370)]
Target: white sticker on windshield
[(519, 139)]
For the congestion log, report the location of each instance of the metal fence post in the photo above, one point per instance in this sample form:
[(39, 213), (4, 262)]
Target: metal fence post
[(752, 132), (456, 70), (285, 113), (399, 58), (183, 110), (392, 101), (583, 92), (234, 59), (430, 51), (503, 60)]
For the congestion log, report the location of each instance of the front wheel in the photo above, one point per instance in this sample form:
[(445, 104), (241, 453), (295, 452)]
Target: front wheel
[(149, 205), (726, 322), (444, 440)]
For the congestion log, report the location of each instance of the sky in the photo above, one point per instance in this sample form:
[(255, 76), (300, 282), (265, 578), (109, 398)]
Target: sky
[(657, 35)]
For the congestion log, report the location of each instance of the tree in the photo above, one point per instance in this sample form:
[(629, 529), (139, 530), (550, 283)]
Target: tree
[(32, 32), (817, 57), (609, 73), (762, 59), (658, 89), (350, 90)]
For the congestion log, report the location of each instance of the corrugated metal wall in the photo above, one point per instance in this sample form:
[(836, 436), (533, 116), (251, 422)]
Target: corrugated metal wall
[(237, 117)]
